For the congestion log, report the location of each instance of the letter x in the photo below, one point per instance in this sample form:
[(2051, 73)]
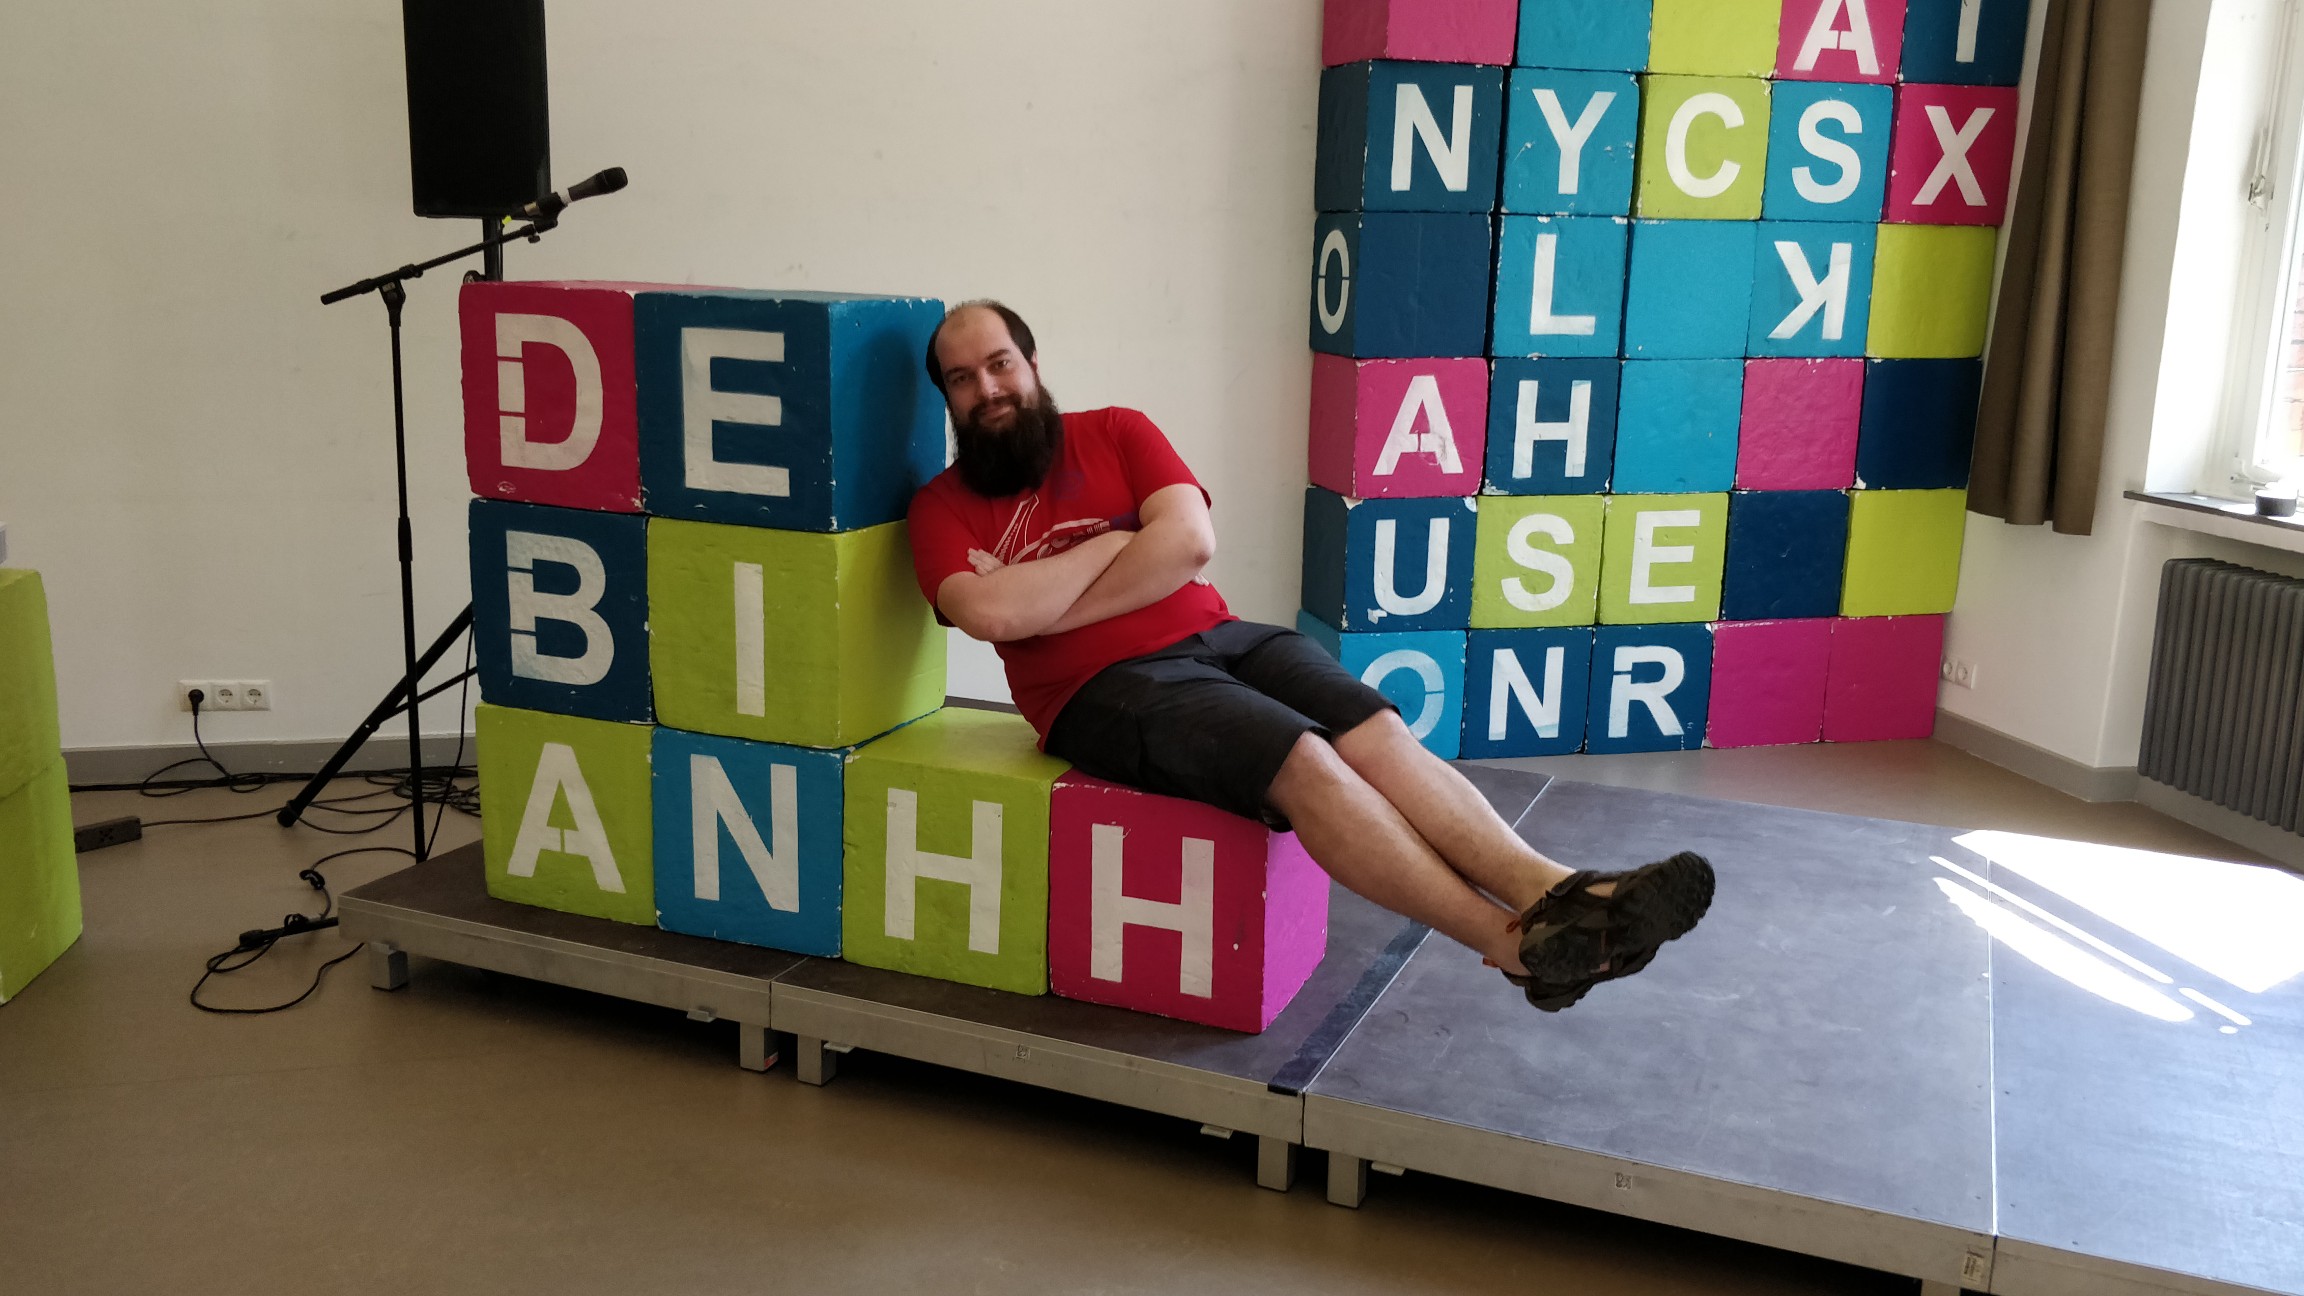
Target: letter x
[(1955, 165)]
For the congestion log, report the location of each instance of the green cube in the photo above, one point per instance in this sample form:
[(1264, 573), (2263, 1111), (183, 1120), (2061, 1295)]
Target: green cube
[(1703, 149), (39, 878), (1931, 291), (1662, 559), (564, 813), (946, 872), (29, 742), (1714, 37), (792, 637), (1903, 552), (1537, 561)]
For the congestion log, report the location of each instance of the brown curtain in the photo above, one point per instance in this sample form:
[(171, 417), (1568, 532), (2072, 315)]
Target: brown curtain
[(2048, 375)]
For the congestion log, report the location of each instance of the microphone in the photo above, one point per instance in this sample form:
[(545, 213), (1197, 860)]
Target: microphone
[(550, 205)]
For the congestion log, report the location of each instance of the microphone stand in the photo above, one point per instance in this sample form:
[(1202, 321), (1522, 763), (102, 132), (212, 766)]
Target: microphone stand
[(406, 694)]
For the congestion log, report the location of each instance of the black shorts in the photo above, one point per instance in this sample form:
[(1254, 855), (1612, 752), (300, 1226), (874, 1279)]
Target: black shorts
[(1211, 718)]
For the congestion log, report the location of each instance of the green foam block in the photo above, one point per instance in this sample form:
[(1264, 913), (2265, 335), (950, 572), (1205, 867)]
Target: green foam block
[(1931, 291), (946, 868), (1714, 37), (1537, 561), (29, 741), (564, 813), (1903, 552), (793, 637), (1724, 167), (39, 878), (1663, 558)]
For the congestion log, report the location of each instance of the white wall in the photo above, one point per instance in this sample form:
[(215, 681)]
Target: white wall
[(198, 455)]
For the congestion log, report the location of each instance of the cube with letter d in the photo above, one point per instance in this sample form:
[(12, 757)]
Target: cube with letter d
[(549, 394), (789, 636), (805, 411), (565, 813), (946, 870), (1178, 908), (748, 841), (560, 609)]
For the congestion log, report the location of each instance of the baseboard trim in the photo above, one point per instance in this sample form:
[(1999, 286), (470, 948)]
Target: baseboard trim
[(2087, 782), (2272, 843), (84, 766)]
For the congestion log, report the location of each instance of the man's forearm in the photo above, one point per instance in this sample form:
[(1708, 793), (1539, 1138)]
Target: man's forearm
[(1025, 599), (1159, 561)]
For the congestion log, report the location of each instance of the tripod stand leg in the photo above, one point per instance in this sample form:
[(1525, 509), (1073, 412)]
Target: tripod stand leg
[(393, 704)]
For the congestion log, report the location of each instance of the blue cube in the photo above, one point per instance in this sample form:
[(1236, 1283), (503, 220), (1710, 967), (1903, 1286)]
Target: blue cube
[(1965, 42), (1422, 674), (1552, 426), (1676, 432), (1559, 286), (748, 844), (1569, 140), (1401, 285), (560, 609), (1525, 692), (800, 411), (1812, 289), (1919, 425), (1651, 688), (1418, 137), (1610, 36), (1690, 295), (1828, 151), (1389, 564), (1785, 554)]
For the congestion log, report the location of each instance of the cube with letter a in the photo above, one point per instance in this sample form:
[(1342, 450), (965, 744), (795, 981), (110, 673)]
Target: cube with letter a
[(1178, 908), (560, 609), (549, 415), (1436, 31), (748, 841), (1841, 40), (1422, 673), (789, 636), (805, 411), (565, 813), (1422, 137), (946, 871), (1383, 428), (1394, 285), (1955, 147), (1393, 565)]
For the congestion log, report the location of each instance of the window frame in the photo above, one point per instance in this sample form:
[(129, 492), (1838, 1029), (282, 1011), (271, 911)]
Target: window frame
[(2267, 294)]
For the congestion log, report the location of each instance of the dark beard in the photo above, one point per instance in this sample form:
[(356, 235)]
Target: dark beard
[(998, 464)]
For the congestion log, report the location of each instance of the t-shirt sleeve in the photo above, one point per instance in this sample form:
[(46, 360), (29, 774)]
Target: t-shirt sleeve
[(1146, 457), (940, 544)]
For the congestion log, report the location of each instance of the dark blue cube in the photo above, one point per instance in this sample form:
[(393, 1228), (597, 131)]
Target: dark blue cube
[(1401, 285), (1393, 565), (560, 610), (1919, 425), (1525, 692), (1424, 137), (1651, 688), (1785, 552), (1552, 426)]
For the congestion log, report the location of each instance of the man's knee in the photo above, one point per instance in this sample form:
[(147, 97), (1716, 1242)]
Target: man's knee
[(1311, 764), (1383, 735)]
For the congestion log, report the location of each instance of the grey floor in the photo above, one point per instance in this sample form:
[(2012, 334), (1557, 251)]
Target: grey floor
[(477, 1133)]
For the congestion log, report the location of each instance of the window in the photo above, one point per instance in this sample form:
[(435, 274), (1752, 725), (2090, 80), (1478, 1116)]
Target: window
[(2262, 433)]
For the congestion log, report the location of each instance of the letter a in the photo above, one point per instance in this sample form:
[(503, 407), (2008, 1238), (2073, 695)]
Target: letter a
[(557, 775), (1438, 438)]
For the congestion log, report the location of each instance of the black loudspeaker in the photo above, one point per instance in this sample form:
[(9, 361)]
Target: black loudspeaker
[(479, 123)]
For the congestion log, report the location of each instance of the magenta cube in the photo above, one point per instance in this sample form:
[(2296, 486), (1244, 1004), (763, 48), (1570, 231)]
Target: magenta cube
[(1397, 428), (1955, 146), (1883, 678), (1428, 31), (1768, 682), (1177, 908), (550, 398), (1800, 423), (1841, 40)]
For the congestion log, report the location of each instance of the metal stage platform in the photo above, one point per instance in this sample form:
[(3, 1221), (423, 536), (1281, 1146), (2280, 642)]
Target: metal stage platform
[(1845, 1060)]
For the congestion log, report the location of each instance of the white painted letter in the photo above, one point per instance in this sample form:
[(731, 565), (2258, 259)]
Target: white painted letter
[(1829, 296), (980, 871), (1647, 555), (1553, 564), (556, 773), (522, 551), (1412, 119), (512, 393), (1435, 684), (1333, 248), (1512, 685), (751, 640), (713, 801), (1111, 911), (1541, 321), (1438, 438), (701, 405), (1527, 430), (1572, 139), (1676, 145), (1955, 166), (1826, 149), (1435, 569), (1856, 40), (1656, 695)]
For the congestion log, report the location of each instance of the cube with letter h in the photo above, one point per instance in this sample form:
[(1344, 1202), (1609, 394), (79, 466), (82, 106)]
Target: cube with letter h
[(748, 841), (560, 609), (946, 867), (1385, 428), (565, 813), (1552, 426), (1178, 908)]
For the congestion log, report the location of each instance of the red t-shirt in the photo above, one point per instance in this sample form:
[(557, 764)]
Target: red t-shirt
[(1112, 461)]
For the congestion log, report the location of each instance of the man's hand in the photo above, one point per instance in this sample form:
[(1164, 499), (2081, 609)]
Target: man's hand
[(1172, 550), (1000, 602), (984, 563)]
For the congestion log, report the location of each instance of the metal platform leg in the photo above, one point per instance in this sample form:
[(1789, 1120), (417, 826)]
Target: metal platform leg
[(387, 967), (1275, 1163), (1933, 1287), (1347, 1180), (812, 1062), (754, 1050)]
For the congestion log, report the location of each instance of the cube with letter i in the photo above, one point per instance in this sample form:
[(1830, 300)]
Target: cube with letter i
[(565, 813), (549, 394), (1393, 564), (1384, 428), (748, 841), (946, 865), (1178, 908), (560, 609), (1965, 42), (1418, 137)]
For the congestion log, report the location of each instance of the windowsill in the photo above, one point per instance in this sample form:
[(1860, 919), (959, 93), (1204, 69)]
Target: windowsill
[(2211, 516)]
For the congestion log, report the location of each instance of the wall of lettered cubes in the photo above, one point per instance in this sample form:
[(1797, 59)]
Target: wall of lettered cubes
[(713, 695), (1647, 342)]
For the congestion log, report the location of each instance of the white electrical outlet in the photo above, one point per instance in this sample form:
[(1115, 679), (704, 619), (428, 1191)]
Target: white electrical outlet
[(1958, 672), (255, 695), (225, 695)]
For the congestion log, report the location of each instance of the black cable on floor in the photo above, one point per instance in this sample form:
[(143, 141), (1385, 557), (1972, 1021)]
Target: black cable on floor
[(257, 944)]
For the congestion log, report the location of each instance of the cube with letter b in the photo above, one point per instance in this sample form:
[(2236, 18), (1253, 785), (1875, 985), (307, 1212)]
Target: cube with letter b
[(560, 609), (1178, 908)]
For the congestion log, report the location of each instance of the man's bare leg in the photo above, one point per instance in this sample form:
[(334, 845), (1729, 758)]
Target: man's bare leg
[(1364, 842)]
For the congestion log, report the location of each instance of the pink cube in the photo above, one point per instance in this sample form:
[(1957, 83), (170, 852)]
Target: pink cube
[(1955, 146), (1841, 40), (1178, 908), (1768, 682), (1396, 428), (1800, 423), (550, 404), (1429, 31), (1883, 679)]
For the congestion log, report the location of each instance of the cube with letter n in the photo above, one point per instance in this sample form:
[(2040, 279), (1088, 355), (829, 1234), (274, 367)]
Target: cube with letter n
[(1178, 908), (946, 870), (1398, 136), (748, 841)]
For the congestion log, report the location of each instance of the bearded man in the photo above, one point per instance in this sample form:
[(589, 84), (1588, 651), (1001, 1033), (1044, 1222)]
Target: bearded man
[(1076, 545)]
